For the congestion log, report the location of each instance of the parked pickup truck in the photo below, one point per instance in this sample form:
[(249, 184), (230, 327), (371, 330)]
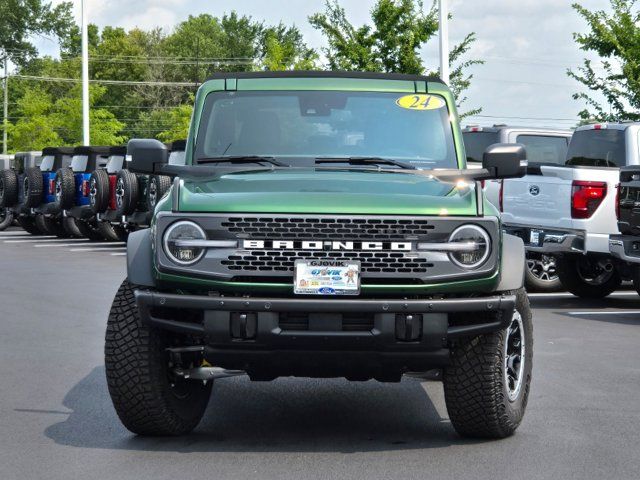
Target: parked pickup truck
[(545, 146), (569, 210), (626, 245), (324, 224)]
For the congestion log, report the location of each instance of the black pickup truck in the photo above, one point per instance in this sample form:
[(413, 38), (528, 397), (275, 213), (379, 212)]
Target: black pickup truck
[(626, 246)]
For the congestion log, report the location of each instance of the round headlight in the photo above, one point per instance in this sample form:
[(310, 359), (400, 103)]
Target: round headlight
[(178, 242), (474, 246)]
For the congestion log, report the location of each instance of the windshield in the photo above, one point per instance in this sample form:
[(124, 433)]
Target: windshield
[(299, 127), (597, 148), (475, 143)]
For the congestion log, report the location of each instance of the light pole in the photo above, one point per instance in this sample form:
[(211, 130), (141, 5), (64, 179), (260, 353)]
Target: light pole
[(5, 104), (86, 139), (444, 41)]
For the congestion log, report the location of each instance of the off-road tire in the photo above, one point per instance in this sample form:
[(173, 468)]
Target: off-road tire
[(33, 185), (127, 192), (111, 233), (8, 188), (51, 226), (6, 218), (28, 224), (570, 279), (65, 197), (157, 187), (475, 384), (70, 226), (99, 191), (136, 364), (89, 230)]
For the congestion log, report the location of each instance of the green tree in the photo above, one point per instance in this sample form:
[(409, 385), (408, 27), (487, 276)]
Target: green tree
[(20, 20), (179, 120), (32, 129), (66, 116), (615, 37), (399, 30), (283, 48)]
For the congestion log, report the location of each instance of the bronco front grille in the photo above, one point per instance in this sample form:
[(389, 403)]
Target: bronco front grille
[(345, 228), (283, 261)]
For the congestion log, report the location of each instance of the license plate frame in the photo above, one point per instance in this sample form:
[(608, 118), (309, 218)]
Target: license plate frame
[(327, 277)]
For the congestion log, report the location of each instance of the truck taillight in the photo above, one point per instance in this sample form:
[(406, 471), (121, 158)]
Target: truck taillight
[(501, 196), (52, 187), (85, 188), (586, 197), (618, 201)]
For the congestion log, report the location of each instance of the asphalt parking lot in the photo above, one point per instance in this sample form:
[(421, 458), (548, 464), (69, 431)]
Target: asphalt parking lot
[(57, 422)]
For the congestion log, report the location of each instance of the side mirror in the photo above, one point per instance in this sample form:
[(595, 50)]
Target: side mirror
[(146, 154), (505, 160)]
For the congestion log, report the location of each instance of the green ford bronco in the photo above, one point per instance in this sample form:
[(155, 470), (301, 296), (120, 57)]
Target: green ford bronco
[(323, 224)]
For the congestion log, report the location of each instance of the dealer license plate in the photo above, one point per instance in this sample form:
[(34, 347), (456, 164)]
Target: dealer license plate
[(327, 277)]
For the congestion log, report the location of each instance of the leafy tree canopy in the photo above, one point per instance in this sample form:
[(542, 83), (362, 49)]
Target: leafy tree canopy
[(615, 37), (392, 43), (20, 20)]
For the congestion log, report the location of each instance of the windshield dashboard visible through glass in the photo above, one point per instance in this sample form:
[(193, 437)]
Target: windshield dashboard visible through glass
[(299, 127)]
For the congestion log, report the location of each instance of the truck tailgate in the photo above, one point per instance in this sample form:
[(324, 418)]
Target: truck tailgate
[(539, 200)]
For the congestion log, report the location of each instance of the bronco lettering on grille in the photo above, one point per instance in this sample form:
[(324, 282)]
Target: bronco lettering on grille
[(325, 245)]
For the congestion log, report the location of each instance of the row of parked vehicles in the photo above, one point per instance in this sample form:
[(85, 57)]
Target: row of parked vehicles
[(578, 224), (577, 209), (84, 192)]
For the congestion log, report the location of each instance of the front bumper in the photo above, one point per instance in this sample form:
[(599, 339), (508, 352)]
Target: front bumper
[(324, 347), (548, 240), (625, 247)]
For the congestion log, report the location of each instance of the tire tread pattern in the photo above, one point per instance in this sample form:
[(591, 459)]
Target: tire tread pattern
[(473, 384), (135, 377)]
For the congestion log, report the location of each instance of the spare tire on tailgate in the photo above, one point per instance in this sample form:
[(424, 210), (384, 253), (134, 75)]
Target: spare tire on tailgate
[(33, 186), (65, 189), (126, 192), (99, 191), (8, 188)]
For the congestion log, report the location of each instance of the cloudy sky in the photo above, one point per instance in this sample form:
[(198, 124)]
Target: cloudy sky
[(527, 45)]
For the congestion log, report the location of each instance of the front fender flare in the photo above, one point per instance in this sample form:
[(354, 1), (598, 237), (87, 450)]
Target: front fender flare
[(512, 263), (140, 258)]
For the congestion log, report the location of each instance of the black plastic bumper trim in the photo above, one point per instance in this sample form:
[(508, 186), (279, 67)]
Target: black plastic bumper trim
[(146, 300)]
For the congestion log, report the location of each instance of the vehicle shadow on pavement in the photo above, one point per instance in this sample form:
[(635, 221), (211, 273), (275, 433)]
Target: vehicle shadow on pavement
[(288, 414)]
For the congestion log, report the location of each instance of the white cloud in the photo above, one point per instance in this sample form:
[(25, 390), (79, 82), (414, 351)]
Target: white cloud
[(527, 44)]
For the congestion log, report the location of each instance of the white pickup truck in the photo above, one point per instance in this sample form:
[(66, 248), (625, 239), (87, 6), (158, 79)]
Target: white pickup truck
[(545, 146), (569, 211)]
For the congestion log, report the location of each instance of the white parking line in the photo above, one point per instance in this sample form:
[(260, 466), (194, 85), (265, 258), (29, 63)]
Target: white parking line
[(15, 234), (48, 240), (118, 254), (605, 312), (95, 244), (25, 237), (96, 249)]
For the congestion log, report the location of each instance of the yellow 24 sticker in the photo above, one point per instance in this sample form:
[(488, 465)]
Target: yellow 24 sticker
[(420, 102)]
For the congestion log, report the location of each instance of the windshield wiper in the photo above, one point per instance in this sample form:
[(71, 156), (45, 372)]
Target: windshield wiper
[(365, 161), (243, 159)]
